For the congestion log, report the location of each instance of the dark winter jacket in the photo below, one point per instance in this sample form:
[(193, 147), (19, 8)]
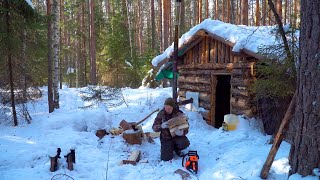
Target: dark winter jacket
[(163, 116)]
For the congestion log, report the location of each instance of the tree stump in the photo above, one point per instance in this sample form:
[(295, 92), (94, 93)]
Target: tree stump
[(133, 137)]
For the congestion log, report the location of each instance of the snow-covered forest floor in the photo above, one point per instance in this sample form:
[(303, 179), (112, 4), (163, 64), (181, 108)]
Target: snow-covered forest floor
[(25, 150)]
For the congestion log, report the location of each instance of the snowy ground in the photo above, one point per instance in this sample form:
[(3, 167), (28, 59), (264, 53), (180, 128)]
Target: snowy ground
[(24, 149)]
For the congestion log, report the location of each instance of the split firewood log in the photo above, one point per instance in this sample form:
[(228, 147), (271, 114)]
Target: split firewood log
[(133, 159)]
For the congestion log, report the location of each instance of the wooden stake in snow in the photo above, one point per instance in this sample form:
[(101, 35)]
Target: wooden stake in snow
[(279, 137), (54, 161), (133, 159)]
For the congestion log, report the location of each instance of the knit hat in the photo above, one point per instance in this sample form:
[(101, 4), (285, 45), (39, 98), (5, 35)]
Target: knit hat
[(169, 102)]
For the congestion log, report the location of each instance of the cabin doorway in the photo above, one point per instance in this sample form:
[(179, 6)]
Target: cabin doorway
[(222, 100)]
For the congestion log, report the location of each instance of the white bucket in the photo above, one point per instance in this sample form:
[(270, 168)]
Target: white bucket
[(232, 121)]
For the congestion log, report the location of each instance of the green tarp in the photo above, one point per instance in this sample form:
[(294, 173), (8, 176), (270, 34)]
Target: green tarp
[(166, 73)]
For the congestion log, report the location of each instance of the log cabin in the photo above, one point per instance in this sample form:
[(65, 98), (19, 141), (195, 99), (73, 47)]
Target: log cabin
[(214, 62)]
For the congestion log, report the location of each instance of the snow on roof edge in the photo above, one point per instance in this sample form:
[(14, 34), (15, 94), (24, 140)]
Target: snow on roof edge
[(249, 38), (30, 3)]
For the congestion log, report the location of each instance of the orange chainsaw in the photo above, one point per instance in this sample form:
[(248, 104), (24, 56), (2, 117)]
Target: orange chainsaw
[(192, 161)]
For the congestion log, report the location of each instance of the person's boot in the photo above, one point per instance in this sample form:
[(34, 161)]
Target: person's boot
[(179, 153)]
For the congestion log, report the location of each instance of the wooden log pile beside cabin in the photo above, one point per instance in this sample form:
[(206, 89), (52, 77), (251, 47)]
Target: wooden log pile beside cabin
[(222, 78)]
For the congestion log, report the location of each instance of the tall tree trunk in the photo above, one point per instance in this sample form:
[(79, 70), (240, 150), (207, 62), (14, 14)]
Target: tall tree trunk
[(160, 32), (93, 68), (83, 46), (24, 65), (126, 10), (207, 9), (223, 16), (238, 14), (195, 13), (61, 41), (107, 6), (49, 37), (153, 27), (296, 12), (165, 23), (138, 20), (10, 68), (228, 11), (141, 24), (264, 12), (269, 16), (286, 11), (200, 11), (244, 14), (217, 10), (304, 153), (279, 8), (183, 18), (55, 32), (257, 13), (171, 29)]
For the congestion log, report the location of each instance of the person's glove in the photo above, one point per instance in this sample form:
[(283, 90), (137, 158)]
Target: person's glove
[(165, 125), (179, 132)]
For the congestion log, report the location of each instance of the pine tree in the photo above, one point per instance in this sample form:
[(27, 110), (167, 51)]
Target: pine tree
[(304, 153), (21, 45)]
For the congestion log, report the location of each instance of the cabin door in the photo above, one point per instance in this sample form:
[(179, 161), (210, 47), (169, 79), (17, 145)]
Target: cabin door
[(220, 98)]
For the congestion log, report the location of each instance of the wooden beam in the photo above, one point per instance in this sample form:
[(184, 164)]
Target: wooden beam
[(239, 92), (279, 137), (212, 99), (196, 87), (193, 79), (214, 66)]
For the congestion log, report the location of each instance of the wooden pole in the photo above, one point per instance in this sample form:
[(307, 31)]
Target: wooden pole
[(175, 56), (279, 137)]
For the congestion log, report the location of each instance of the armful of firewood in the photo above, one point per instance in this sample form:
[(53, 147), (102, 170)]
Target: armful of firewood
[(176, 121)]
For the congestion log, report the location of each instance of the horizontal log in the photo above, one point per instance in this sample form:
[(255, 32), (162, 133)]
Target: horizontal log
[(204, 72), (204, 96), (247, 112), (241, 73), (235, 81), (196, 87), (239, 100), (240, 106), (194, 79), (205, 105), (216, 66), (239, 92)]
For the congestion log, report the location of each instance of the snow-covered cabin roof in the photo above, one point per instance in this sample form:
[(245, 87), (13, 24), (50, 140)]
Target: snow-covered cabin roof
[(243, 38)]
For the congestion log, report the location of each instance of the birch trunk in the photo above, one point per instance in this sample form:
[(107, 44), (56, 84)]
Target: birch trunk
[(49, 36)]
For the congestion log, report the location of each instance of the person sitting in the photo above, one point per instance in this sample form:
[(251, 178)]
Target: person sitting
[(170, 144)]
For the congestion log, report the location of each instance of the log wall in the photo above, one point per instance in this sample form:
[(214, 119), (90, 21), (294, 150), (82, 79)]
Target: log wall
[(201, 65)]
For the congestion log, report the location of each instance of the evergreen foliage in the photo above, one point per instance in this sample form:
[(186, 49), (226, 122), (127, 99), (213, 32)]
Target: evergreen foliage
[(23, 48), (277, 73)]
